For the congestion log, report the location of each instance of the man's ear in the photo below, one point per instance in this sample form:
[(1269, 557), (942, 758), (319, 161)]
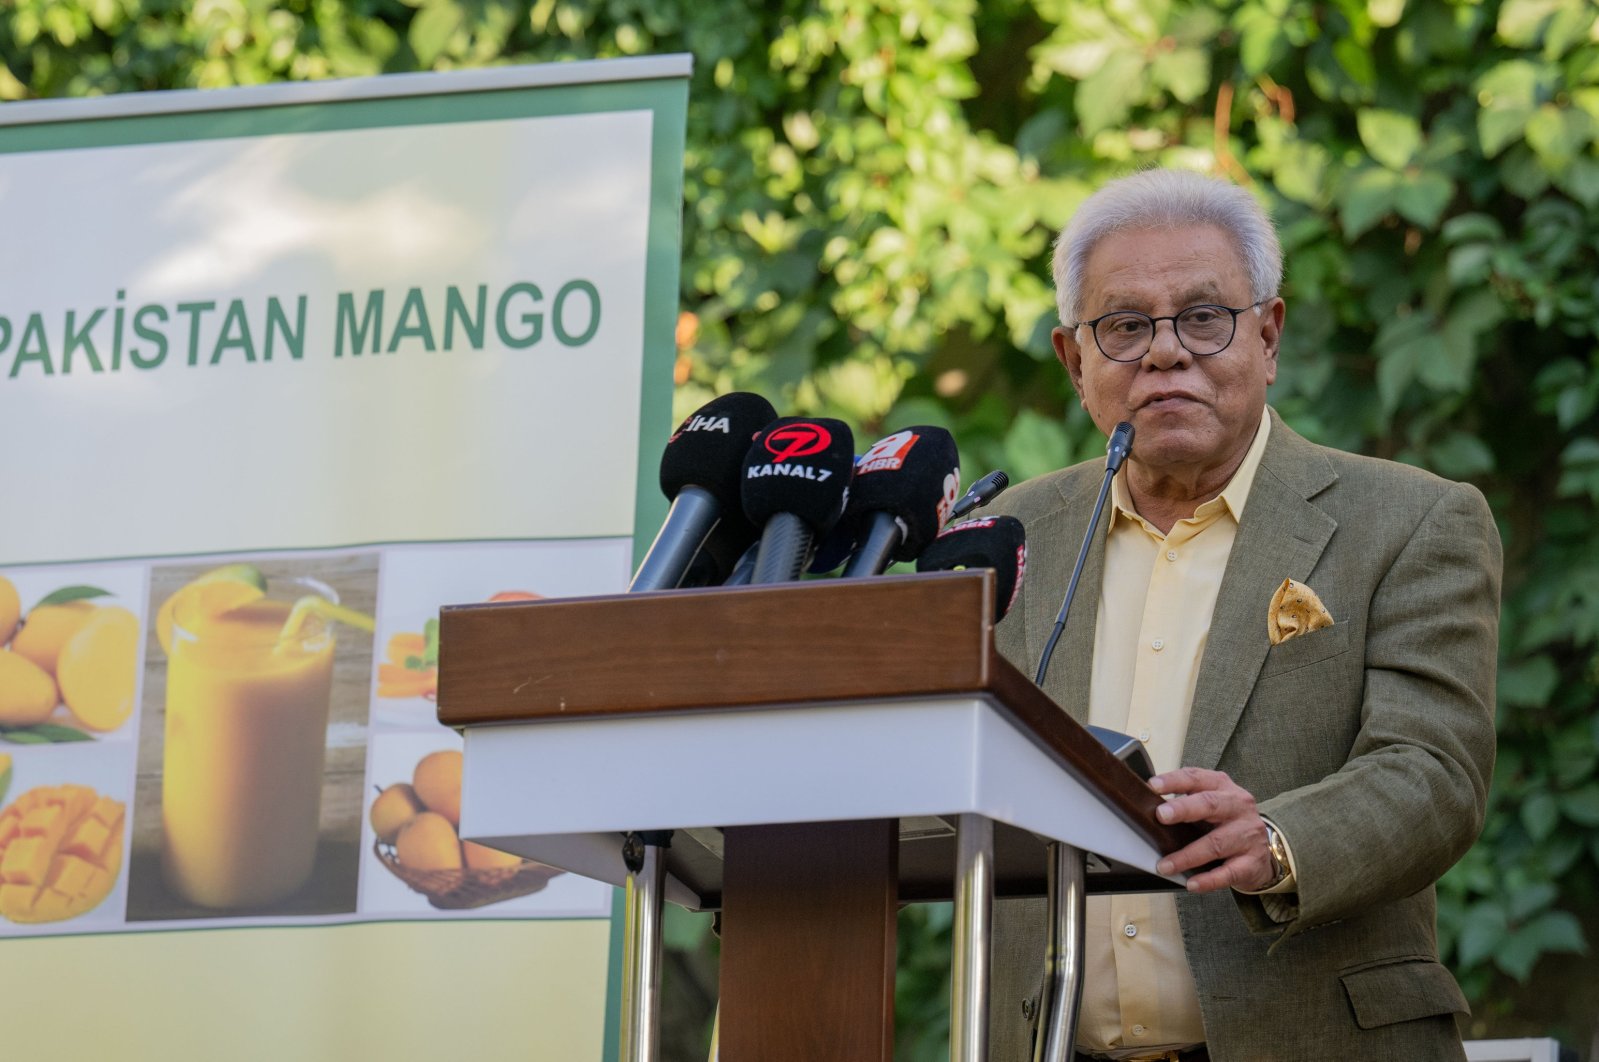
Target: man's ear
[(1069, 354), (1271, 334)]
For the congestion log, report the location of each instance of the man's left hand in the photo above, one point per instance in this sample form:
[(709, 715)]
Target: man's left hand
[(1236, 840)]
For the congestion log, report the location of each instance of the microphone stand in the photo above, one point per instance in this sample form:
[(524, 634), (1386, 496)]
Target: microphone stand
[(1067, 870)]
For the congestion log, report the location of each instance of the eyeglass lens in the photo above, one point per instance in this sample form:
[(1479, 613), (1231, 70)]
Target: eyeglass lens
[(1127, 336)]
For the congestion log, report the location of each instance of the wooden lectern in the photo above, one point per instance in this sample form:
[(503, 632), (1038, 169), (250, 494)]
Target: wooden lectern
[(821, 752)]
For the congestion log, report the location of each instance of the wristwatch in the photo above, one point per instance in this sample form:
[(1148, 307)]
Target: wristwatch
[(1279, 855)]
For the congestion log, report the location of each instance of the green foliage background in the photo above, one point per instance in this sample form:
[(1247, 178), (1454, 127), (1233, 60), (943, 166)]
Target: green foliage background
[(871, 190)]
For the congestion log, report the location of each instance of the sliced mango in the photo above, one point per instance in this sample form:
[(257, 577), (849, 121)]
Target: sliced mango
[(60, 852)]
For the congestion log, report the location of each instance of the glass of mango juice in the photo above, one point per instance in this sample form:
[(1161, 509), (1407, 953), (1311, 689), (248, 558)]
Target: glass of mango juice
[(246, 741)]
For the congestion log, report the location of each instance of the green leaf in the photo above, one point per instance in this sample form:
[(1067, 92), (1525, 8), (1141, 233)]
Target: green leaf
[(1521, 22), (1471, 227), (430, 651), (1392, 138), (1540, 815), (1185, 71), (72, 593), (1104, 98), (1424, 197), (1558, 135), (1385, 13), (24, 736), (1035, 444), (57, 734), (1506, 96), (1369, 198), (1482, 933), (1528, 684), (431, 30), (1582, 805), (1581, 181), (1461, 456), (1530, 899), (1301, 172), (1550, 932)]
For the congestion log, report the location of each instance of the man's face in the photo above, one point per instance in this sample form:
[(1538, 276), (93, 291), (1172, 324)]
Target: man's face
[(1193, 415)]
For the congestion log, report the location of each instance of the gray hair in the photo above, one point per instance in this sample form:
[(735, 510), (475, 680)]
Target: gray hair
[(1166, 199)]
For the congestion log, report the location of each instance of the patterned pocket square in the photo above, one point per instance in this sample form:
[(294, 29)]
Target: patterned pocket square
[(1295, 610)]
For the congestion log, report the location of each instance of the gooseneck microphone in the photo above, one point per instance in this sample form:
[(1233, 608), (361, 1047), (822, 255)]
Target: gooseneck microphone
[(980, 494), (903, 489), (997, 542), (1116, 451), (700, 472), (795, 482)]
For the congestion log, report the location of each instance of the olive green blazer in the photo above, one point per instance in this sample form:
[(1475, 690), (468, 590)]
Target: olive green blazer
[(1370, 743)]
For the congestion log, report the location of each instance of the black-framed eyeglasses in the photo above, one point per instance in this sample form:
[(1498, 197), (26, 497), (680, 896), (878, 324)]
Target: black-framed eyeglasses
[(1203, 330)]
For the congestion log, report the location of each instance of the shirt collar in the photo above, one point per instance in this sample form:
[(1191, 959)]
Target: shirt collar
[(1233, 496)]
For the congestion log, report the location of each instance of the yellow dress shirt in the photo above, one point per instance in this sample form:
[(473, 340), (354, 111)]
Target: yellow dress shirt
[(1155, 605)]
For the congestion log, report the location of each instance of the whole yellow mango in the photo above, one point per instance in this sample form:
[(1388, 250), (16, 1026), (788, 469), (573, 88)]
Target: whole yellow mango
[(10, 610), (394, 807), (27, 692), (437, 781), (99, 667), (429, 842), (482, 857), (47, 629)]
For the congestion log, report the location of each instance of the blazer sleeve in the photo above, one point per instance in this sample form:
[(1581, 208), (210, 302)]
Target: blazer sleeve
[(1412, 795)]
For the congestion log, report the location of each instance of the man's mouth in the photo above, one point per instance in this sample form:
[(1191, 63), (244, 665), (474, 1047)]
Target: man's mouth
[(1166, 400)]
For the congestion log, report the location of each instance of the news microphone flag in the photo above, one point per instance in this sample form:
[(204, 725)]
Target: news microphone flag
[(903, 491), (700, 472), (796, 479), (995, 542)]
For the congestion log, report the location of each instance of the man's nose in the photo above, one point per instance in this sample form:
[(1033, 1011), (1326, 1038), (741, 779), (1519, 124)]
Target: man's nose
[(1165, 352)]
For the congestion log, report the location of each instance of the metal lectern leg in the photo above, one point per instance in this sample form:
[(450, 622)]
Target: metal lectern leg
[(1063, 955), (974, 920), (641, 947)]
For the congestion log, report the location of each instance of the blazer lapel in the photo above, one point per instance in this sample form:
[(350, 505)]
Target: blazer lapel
[(1073, 663), (1281, 536)]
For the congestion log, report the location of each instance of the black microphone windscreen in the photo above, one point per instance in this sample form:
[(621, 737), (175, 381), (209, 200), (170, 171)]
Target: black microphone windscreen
[(997, 542), (799, 465), (913, 475), (708, 448)]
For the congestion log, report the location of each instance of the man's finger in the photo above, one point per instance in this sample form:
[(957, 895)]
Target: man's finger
[(1223, 843), (1209, 805)]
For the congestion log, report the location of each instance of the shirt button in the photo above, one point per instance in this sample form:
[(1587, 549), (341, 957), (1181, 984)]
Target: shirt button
[(1171, 554), (1139, 1030), (1130, 930), (1143, 735), (1158, 644)]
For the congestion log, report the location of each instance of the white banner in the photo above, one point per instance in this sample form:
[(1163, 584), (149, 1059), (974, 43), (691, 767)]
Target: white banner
[(292, 368)]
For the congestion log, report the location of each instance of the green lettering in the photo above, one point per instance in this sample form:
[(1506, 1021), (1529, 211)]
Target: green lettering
[(567, 338), (33, 330), (5, 333), (81, 338), (371, 321), (228, 341), (145, 332), (116, 331), (405, 329), (195, 310), (278, 321), (455, 306), (534, 320)]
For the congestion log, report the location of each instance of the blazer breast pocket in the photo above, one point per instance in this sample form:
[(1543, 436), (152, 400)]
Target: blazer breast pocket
[(1305, 650)]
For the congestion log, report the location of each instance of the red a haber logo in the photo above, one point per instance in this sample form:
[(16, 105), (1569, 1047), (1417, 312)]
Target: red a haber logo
[(797, 440)]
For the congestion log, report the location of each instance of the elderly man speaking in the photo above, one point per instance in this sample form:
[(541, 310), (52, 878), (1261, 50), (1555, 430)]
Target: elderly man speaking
[(1305, 639)]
